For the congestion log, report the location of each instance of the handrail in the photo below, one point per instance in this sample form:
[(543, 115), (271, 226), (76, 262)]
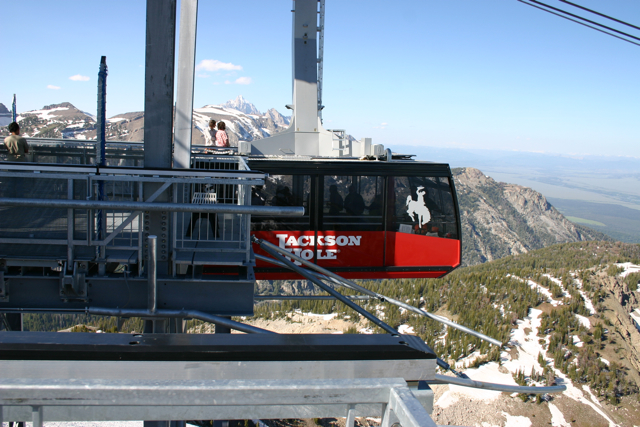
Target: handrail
[(181, 314), (464, 382), (351, 285), (144, 206)]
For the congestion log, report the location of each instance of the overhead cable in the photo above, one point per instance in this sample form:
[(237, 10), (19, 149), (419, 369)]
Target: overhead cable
[(600, 14), (585, 19), (578, 22)]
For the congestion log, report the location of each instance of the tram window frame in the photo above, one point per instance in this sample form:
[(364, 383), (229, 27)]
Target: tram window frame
[(343, 220), (305, 196), (442, 221)]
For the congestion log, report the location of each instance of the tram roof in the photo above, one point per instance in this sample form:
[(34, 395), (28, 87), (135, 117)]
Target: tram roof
[(349, 166)]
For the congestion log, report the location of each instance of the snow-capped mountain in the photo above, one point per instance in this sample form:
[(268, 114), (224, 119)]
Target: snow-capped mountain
[(243, 122), (56, 121), (242, 105), (240, 126)]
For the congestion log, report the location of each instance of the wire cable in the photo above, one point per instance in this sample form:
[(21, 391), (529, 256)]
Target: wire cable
[(600, 14), (585, 19), (578, 22)]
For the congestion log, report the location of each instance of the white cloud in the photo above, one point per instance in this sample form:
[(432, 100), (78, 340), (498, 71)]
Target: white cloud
[(383, 124), (243, 81), (227, 82), (79, 78), (215, 65), (203, 75), (53, 87)]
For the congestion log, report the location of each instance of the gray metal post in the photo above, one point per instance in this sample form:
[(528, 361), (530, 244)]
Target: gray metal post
[(158, 90), (101, 147), (222, 329), (158, 113), (305, 66), (70, 227), (14, 113), (101, 119), (37, 416), (152, 278), (320, 57), (186, 69)]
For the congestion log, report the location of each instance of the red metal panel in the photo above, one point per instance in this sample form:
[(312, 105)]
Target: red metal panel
[(405, 249), (329, 249), (364, 249)]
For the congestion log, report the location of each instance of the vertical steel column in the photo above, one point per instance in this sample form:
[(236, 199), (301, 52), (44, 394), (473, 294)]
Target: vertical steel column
[(158, 89), (101, 119), (305, 66), (186, 69), (71, 223), (14, 113), (155, 325), (320, 57), (158, 113), (152, 277), (36, 416), (351, 415), (101, 157)]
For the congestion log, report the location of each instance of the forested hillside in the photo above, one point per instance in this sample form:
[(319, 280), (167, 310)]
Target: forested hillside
[(567, 282)]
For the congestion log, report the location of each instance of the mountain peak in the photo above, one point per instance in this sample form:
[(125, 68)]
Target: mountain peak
[(242, 105), (62, 105)]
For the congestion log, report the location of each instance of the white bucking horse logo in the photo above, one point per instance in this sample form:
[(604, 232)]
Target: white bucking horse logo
[(418, 207)]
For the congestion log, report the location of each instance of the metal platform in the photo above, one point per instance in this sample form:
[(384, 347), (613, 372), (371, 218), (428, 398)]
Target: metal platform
[(186, 376), (213, 347), (89, 400)]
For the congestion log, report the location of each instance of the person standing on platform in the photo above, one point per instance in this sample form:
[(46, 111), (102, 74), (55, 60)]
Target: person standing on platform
[(222, 140), (17, 145), (210, 134)]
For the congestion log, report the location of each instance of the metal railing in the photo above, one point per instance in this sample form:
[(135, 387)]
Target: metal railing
[(83, 152), (89, 400), (69, 213)]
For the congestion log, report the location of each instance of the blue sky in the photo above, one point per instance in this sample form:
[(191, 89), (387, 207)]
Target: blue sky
[(492, 74)]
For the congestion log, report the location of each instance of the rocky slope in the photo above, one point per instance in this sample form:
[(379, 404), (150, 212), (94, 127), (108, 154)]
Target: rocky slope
[(500, 219)]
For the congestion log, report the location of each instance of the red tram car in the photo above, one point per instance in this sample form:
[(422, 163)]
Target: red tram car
[(363, 219)]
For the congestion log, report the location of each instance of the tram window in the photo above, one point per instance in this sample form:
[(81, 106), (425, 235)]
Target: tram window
[(353, 203), (282, 190), (423, 205), (449, 222)]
